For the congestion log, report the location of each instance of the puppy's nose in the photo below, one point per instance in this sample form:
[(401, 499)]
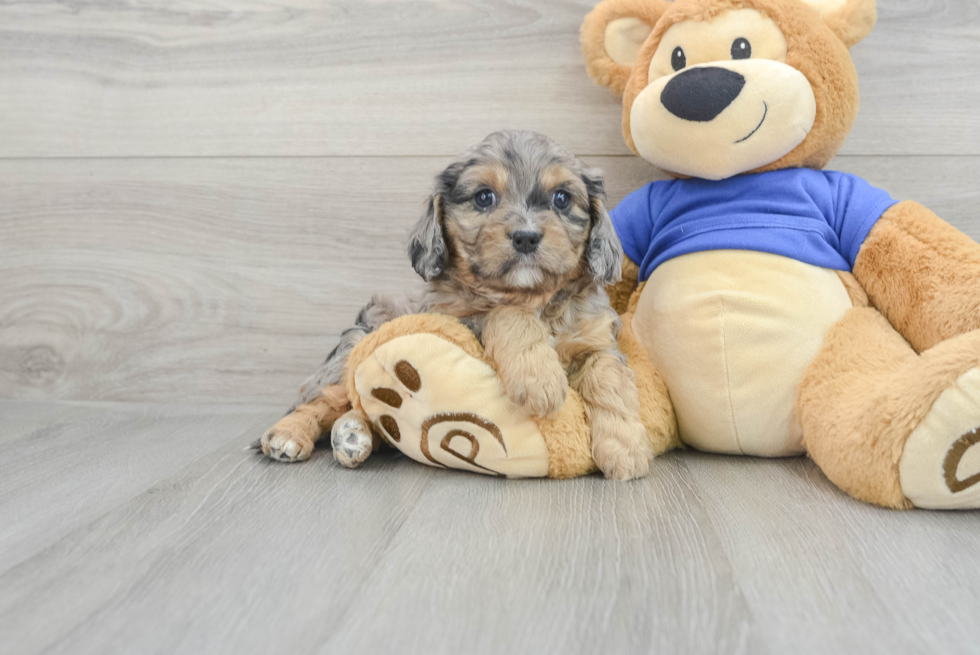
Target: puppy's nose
[(526, 242), (700, 94)]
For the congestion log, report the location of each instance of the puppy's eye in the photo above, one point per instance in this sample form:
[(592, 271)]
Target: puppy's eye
[(484, 198), (561, 200), (741, 49), (678, 59)]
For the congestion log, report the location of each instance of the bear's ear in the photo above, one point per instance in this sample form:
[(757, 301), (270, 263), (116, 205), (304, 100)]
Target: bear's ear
[(612, 35), (850, 20)]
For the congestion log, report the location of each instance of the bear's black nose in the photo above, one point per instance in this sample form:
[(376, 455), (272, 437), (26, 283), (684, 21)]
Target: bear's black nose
[(700, 94), (526, 242)]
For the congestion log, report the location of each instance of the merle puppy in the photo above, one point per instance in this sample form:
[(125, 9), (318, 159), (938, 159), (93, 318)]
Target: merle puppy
[(517, 244)]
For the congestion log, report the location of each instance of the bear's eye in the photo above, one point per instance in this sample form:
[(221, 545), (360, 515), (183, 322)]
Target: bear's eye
[(741, 49), (484, 198), (678, 59), (561, 200)]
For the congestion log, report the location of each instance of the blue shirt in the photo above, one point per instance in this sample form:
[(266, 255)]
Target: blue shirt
[(816, 217)]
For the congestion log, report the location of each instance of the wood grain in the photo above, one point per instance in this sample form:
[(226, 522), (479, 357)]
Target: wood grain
[(544, 566), (227, 280), (80, 461), (18, 418), (197, 196), (234, 554), (293, 77), (218, 550), (875, 581), (312, 556)]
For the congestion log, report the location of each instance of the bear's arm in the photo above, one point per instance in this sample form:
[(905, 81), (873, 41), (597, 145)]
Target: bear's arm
[(922, 274), (621, 292)]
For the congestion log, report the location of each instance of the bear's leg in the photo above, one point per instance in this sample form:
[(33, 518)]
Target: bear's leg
[(889, 426), (656, 410)]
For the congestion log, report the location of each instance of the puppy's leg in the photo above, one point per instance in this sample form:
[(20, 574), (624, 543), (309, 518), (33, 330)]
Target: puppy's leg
[(352, 439), (529, 368), (322, 400), (291, 439), (322, 397), (620, 446)]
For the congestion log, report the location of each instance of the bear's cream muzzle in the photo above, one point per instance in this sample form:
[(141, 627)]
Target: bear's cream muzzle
[(719, 119)]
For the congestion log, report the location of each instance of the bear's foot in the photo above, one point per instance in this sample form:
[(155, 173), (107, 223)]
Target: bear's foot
[(445, 408), (940, 465)]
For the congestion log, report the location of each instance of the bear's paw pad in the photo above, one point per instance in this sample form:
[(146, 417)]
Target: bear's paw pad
[(442, 407), (940, 466)]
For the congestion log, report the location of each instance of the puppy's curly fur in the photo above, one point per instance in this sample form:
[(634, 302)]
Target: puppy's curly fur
[(516, 243)]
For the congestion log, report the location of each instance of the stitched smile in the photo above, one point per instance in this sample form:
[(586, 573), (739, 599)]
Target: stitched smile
[(764, 114)]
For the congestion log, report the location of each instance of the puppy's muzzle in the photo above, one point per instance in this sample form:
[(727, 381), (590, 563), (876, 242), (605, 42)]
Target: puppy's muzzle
[(700, 94), (526, 242)]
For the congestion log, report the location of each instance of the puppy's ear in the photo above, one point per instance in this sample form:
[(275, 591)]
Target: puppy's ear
[(605, 252), (426, 243)]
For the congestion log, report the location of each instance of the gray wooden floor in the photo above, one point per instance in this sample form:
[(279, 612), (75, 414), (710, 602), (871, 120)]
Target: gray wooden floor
[(196, 197)]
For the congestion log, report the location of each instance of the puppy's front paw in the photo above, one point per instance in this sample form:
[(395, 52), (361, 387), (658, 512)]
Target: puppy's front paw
[(351, 440), (284, 445), (620, 448), (540, 387)]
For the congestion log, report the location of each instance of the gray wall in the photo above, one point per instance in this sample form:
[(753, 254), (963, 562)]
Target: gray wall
[(195, 201)]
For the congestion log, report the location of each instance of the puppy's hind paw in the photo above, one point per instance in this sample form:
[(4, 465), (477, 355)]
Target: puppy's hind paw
[(351, 440), (285, 446)]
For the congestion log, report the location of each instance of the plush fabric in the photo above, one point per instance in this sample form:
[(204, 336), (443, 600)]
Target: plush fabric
[(789, 309), (621, 292), (765, 310), (688, 122), (813, 49), (656, 410), (601, 67), (817, 217), (452, 378), (732, 333), (425, 384), (933, 447), (864, 395), (443, 407), (922, 274)]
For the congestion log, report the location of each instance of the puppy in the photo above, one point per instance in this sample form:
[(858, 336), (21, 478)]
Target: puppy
[(517, 244)]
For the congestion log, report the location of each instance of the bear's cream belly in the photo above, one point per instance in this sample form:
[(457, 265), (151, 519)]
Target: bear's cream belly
[(732, 332)]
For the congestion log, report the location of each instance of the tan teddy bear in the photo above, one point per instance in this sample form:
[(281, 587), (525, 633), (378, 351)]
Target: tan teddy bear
[(788, 309)]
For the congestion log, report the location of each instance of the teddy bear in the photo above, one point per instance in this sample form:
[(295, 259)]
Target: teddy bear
[(769, 307), (789, 309)]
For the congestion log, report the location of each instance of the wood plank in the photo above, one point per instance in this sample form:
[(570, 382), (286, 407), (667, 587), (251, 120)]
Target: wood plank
[(69, 471), (820, 569), (415, 77), (18, 418), (234, 554), (131, 266), (582, 566), (227, 280), (238, 554)]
